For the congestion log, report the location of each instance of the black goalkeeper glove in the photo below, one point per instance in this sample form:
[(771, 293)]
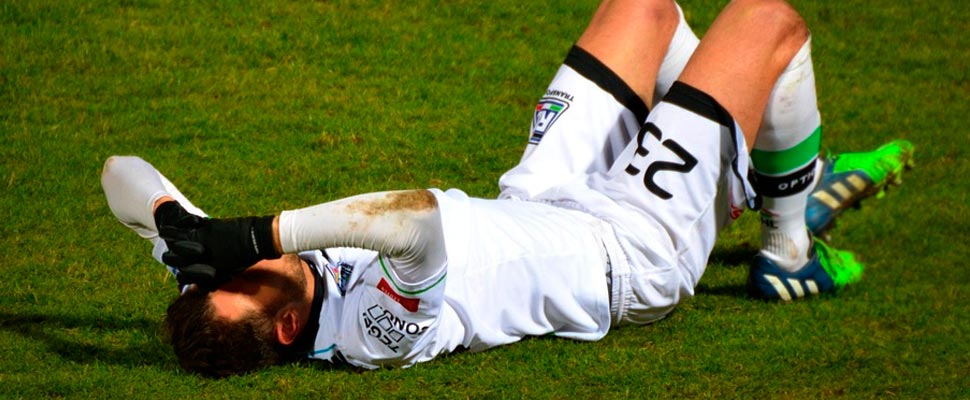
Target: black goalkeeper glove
[(210, 251), (172, 214)]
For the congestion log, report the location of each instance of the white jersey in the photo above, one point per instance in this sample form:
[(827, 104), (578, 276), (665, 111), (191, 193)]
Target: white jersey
[(515, 269)]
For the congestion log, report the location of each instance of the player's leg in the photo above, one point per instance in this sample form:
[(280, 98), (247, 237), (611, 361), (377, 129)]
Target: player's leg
[(742, 55), (640, 41), (600, 96), (784, 159), (693, 157), (755, 61), (789, 264)]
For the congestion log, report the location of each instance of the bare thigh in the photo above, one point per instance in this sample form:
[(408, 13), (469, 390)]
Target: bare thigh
[(743, 54), (631, 38)]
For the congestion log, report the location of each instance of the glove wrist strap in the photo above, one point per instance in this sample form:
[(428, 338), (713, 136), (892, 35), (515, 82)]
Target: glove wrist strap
[(261, 237)]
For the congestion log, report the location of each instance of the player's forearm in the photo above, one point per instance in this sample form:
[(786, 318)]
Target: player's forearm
[(405, 225)]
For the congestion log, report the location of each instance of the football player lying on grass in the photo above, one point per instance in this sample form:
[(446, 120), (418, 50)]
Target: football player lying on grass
[(608, 219)]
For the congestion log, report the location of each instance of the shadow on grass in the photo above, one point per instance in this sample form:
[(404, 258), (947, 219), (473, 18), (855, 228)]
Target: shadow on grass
[(89, 339), (325, 366), (732, 290), (738, 256), (733, 257)]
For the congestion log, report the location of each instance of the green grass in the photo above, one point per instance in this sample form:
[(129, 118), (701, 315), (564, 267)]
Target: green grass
[(253, 107)]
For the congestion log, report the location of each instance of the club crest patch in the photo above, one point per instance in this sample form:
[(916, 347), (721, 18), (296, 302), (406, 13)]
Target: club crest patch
[(342, 273), (548, 111)]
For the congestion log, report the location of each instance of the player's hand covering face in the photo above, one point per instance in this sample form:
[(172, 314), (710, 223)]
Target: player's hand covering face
[(209, 251)]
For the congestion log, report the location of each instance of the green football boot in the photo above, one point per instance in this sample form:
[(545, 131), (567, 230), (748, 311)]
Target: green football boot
[(849, 178), (827, 271)]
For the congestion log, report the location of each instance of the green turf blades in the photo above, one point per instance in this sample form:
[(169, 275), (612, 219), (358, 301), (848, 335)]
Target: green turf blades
[(841, 265)]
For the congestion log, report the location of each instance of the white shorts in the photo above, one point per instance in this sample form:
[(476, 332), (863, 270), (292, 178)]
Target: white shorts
[(667, 192), (586, 118)]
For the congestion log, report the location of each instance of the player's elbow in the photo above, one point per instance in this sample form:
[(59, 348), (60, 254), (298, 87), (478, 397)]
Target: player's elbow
[(109, 167)]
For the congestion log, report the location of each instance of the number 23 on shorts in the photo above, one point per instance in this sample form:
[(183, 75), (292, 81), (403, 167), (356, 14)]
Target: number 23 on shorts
[(688, 162)]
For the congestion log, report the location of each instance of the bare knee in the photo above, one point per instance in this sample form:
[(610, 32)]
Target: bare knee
[(624, 14), (776, 21), (659, 12)]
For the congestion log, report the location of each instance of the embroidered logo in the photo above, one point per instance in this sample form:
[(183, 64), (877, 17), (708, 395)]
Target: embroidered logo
[(548, 111)]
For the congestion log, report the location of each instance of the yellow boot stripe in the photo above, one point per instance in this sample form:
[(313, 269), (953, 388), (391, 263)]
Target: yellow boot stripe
[(841, 190), (826, 199), (779, 287), (857, 182)]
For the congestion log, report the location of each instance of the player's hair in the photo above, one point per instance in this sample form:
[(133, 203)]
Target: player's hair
[(214, 347)]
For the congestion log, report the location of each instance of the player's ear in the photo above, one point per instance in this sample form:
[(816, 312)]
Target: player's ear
[(287, 325)]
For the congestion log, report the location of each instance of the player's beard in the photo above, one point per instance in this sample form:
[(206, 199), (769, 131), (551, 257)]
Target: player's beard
[(287, 280), (291, 282)]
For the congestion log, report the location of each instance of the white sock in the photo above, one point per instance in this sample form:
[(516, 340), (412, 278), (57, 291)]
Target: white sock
[(784, 159)]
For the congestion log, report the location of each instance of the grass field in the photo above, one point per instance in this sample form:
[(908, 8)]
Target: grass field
[(256, 106)]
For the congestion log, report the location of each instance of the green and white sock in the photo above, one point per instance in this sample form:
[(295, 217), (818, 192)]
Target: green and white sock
[(785, 163)]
